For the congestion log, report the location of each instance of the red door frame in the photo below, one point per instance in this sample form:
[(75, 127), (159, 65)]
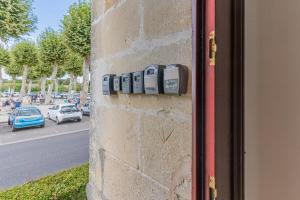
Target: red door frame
[(200, 167), (203, 167), (198, 91)]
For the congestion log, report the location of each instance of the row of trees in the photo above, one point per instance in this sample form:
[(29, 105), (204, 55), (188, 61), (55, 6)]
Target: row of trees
[(56, 52)]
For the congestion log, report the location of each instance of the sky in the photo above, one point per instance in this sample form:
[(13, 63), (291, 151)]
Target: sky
[(49, 14)]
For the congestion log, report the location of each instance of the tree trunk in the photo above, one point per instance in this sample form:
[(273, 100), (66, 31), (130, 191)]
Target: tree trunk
[(56, 85), (14, 85), (71, 84), (24, 78), (1, 78), (43, 85), (85, 79), (50, 86), (75, 84), (29, 87)]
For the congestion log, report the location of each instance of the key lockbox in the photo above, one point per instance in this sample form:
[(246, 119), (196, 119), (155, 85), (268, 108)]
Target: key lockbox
[(175, 79), (153, 79), (117, 83), (107, 84), (138, 82), (127, 83)]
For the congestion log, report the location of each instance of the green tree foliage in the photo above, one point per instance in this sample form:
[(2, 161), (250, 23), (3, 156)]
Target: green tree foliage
[(25, 54), (52, 48), (77, 31), (73, 64), (43, 69), (4, 62), (52, 52), (16, 18), (4, 57), (77, 28), (61, 72), (13, 70), (32, 74)]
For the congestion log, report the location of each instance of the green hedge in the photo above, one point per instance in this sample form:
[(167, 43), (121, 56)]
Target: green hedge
[(67, 185)]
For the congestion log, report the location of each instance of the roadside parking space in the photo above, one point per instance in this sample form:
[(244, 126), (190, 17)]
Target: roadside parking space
[(51, 128)]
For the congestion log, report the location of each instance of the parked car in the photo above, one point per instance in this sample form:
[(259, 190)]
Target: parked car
[(64, 112), (16, 94), (56, 96), (85, 109), (24, 117), (64, 95), (5, 94)]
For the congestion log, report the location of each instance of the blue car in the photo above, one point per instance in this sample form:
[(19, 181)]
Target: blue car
[(25, 117)]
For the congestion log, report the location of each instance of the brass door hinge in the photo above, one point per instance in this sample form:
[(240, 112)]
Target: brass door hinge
[(212, 48), (212, 188)]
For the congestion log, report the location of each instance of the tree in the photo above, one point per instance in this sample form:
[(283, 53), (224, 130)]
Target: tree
[(16, 17), (77, 31), (4, 62), (73, 66), (32, 75), (60, 73), (25, 54), (52, 52), (43, 71), (14, 71)]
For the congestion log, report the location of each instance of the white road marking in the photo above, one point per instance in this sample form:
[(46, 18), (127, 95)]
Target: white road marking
[(43, 137)]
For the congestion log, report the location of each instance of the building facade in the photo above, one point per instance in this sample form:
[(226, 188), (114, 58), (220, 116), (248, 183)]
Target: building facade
[(141, 145)]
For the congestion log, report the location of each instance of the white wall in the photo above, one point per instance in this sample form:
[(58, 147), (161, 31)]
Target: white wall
[(272, 100)]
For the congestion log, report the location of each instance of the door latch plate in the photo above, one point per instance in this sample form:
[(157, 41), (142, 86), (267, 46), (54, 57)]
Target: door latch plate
[(212, 48), (212, 188)]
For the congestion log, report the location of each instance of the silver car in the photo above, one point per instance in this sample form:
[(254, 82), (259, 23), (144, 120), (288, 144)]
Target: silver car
[(85, 109)]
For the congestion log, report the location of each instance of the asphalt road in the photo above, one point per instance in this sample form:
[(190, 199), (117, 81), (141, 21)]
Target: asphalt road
[(21, 162), (51, 129)]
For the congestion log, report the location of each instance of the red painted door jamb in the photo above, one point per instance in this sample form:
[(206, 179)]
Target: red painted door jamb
[(210, 190), (203, 168)]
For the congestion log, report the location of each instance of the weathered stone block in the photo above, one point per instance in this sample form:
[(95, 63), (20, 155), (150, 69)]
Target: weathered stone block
[(110, 3), (122, 182), (117, 133), (141, 144), (179, 52), (165, 146), (163, 17), (97, 9), (117, 30)]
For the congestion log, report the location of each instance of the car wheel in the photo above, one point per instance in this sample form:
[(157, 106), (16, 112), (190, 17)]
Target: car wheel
[(79, 120), (57, 121), (43, 126)]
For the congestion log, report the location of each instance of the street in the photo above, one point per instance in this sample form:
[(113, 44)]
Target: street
[(29, 154)]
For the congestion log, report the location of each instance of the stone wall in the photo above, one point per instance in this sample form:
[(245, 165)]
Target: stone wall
[(140, 145)]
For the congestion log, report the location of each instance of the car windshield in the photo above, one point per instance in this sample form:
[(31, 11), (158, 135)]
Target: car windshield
[(69, 108), (29, 112)]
